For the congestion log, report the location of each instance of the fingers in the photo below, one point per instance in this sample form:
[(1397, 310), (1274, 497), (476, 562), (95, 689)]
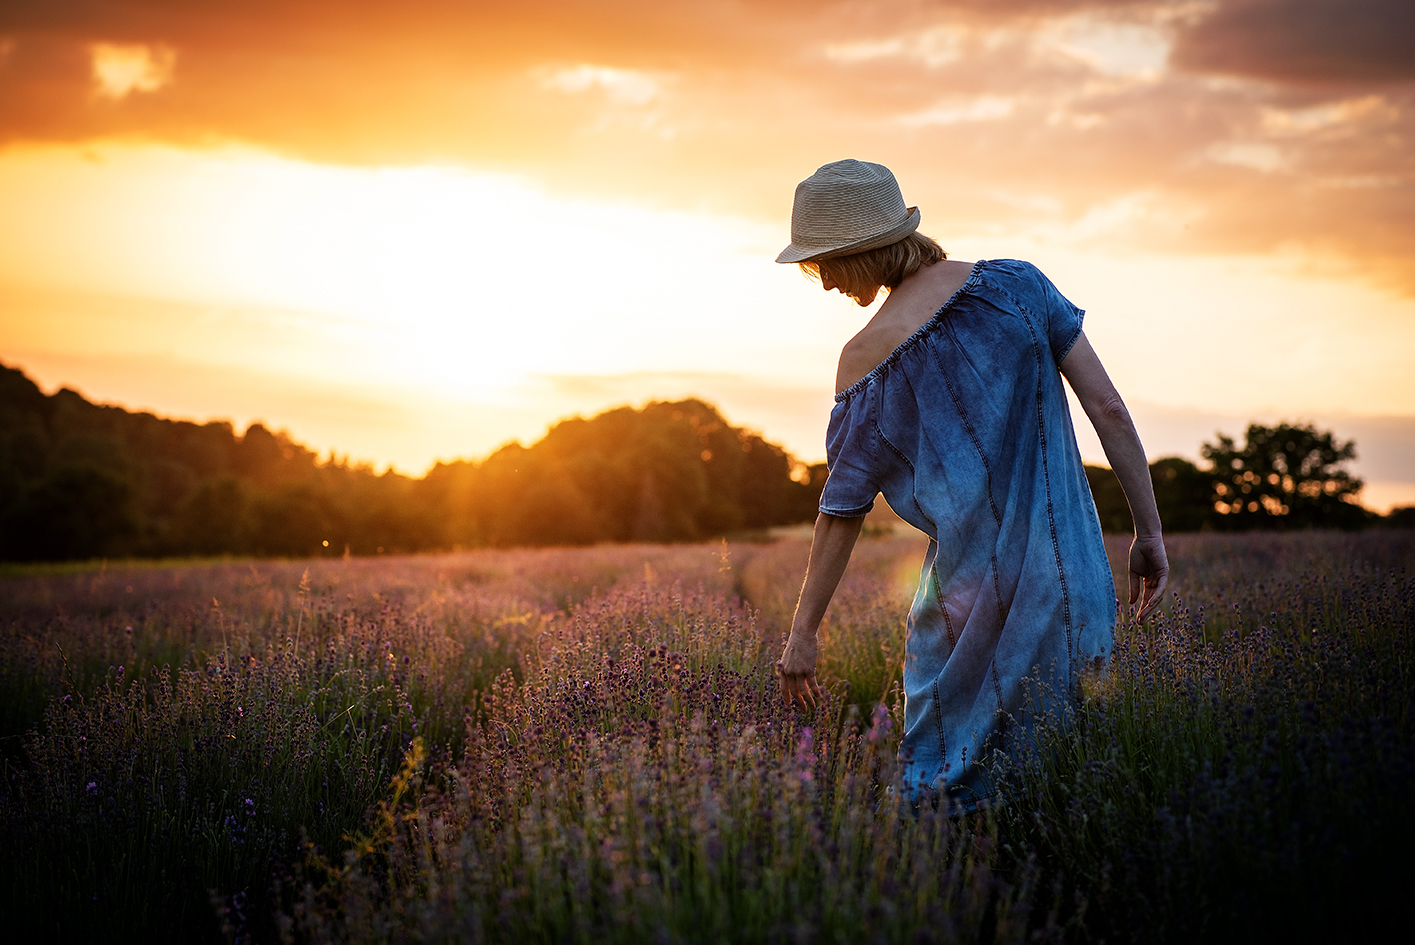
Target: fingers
[(1158, 594), (1154, 594), (1161, 584), (800, 689), (1149, 574), (806, 690)]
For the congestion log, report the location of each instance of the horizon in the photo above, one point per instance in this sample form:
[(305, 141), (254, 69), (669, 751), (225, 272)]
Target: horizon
[(435, 229), (332, 457)]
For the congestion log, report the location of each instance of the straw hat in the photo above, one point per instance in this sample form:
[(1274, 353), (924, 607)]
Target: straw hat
[(847, 207)]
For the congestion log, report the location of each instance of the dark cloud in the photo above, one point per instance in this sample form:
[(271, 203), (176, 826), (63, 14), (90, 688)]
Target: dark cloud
[(1304, 40)]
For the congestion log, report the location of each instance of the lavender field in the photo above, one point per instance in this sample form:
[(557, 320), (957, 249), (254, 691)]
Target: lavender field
[(587, 745)]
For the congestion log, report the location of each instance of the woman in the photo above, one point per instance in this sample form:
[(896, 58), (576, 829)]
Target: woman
[(950, 403)]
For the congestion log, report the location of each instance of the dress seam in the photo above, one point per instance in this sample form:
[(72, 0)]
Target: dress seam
[(938, 723), (913, 475), (972, 435), (1046, 482), (943, 608)]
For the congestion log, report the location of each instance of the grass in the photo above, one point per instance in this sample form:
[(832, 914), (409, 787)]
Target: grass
[(586, 745), (21, 569)]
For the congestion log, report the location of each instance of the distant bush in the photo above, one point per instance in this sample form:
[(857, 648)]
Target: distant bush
[(1183, 493), (1403, 517)]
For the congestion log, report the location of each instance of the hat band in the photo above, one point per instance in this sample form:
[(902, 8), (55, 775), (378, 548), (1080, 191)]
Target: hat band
[(893, 235), (795, 253)]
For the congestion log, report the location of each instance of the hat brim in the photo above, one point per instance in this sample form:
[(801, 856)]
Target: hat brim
[(798, 254)]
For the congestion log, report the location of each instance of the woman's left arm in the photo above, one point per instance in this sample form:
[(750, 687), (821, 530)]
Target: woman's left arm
[(1149, 565)]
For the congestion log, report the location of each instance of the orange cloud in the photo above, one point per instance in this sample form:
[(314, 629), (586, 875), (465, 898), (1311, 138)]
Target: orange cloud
[(1236, 125), (122, 68)]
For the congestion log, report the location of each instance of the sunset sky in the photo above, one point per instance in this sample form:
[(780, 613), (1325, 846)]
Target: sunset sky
[(414, 230)]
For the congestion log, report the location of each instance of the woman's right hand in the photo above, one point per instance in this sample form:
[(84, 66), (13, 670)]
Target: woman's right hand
[(797, 671), (1149, 570), (831, 544)]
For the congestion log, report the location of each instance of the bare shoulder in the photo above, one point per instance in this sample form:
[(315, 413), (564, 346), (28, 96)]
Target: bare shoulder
[(860, 356), (906, 310)]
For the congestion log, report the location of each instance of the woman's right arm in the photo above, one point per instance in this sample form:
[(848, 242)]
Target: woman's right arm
[(1149, 565), (831, 543)]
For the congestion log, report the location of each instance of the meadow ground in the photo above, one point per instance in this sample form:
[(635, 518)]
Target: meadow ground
[(587, 745)]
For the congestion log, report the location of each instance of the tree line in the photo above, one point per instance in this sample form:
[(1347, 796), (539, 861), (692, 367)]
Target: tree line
[(82, 480)]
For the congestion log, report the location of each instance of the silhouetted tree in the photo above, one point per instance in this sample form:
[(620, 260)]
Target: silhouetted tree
[(1183, 494), (1288, 476), (668, 472), (79, 479), (214, 519), (78, 510), (1111, 507), (295, 521)]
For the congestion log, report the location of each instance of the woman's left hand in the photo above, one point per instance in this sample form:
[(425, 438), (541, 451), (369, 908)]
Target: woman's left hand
[(1149, 574), (797, 671)]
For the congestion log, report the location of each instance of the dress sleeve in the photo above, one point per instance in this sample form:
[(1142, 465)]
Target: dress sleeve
[(851, 448), (1063, 318)]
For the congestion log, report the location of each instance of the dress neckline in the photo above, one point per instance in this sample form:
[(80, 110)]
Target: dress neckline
[(973, 276)]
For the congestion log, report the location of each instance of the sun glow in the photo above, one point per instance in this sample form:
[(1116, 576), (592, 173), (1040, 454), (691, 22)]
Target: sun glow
[(442, 277), (435, 288), (403, 314)]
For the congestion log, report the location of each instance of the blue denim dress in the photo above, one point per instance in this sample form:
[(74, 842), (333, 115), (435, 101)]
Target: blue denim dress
[(966, 431)]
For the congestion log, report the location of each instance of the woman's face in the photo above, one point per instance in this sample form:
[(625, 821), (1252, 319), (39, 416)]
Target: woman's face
[(862, 298)]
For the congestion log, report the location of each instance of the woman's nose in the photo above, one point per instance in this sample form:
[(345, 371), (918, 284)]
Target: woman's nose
[(827, 283)]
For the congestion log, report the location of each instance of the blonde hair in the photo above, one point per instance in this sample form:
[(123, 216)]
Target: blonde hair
[(862, 275)]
